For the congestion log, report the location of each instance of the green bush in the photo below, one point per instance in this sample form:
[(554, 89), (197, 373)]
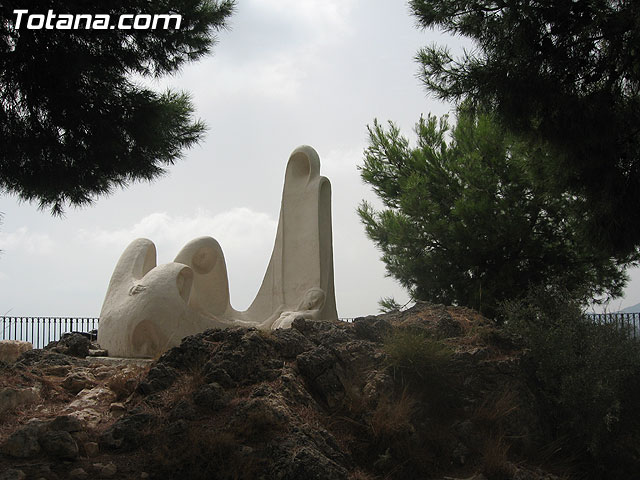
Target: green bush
[(587, 377)]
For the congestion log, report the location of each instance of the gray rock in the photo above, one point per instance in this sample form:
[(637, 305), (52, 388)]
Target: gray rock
[(210, 396), (11, 398), (128, 432), (183, 410), (91, 449), (160, 377), (371, 328), (78, 380), (13, 474), (310, 464), (10, 350), (23, 443), (78, 473), (59, 444), (66, 423), (291, 343), (98, 353), (322, 370), (109, 470), (74, 344)]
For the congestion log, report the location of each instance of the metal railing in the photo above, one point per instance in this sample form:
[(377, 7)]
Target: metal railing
[(42, 330), (630, 322)]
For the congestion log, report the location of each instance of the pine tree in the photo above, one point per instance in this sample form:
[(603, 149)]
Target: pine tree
[(465, 221), (73, 123), (562, 74)]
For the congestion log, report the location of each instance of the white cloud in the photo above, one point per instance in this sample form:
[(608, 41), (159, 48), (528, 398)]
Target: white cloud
[(24, 240), (325, 18), (236, 230), (339, 162), (278, 77)]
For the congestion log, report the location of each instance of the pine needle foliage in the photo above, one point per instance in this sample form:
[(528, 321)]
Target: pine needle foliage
[(565, 74), (467, 221), (73, 123)]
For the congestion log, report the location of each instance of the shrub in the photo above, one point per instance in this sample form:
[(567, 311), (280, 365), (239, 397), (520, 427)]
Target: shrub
[(587, 377), (417, 356)]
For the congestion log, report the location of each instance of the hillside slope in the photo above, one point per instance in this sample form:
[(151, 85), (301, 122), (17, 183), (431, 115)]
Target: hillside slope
[(433, 392)]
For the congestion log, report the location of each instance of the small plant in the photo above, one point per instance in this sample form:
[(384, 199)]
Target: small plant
[(388, 304), (418, 358), (495, 462)]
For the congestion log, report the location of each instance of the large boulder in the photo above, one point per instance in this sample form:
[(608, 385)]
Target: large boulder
[(10, 350)]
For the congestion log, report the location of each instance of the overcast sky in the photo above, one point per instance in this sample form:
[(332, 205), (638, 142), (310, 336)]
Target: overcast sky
[(287, 73)]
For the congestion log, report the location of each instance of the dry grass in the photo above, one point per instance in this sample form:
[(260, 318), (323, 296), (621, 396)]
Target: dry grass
[(205, 454), (495, 462), (358, 474), (495, 409), (182, 389), (123, 384), (392, 418)]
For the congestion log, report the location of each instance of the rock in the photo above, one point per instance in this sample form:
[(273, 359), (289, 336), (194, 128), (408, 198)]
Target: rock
[(89, 398), (59, 444), (309, 463), (98, 353), (57, 370), (210, 396), (291, 343), (66, 423), (78, 380), (91, 449), (117, 408), (43, 358), (215, 374), (13, 474), (377, 385), (183, 410), (88, 416), (447, 327), (321, 369), (371, 328), (22, 443), (11, 398), (80, 437), (75, 344), (104, 371), (10, 350), (128, 432), (109, 470), (78, 473), (159, 378)]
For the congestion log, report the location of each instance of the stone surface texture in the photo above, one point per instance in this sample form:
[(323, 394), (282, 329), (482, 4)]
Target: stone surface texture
[(10, 350), (149, 308), (321, 400)]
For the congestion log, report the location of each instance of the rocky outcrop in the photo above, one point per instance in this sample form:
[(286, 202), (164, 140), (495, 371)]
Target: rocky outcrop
[(10, 350), (323, 400)]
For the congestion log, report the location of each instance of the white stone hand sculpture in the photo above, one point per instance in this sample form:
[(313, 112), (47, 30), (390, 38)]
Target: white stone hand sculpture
[(149, 308)]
